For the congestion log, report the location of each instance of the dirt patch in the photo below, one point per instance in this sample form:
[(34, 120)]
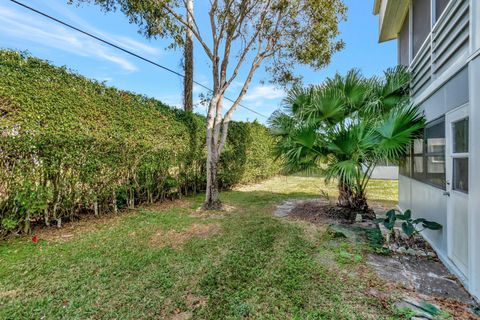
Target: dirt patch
[(182, 316), (165, 205), (89, 223), (202, 213), (9, 293), (85, 224), (194, 301), (320, 211), (176, 239)]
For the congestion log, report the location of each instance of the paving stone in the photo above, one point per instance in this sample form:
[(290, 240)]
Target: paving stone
[(414, 306)]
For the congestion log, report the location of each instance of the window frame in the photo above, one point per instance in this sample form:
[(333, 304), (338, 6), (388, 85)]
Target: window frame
[(424, 154), (465, 155)]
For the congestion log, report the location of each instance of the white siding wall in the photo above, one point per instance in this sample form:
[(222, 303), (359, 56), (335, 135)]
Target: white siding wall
[(426, 202), (474, 163), (404, 192), (385, 173)]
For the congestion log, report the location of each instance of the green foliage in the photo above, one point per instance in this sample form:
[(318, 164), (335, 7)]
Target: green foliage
[(69, 145), (409, 224), (257, 267), (296, 31), (345, 127)]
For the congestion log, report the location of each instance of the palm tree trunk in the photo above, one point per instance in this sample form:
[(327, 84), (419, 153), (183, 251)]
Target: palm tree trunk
[(188, 62), (355, 201), (344, 194)]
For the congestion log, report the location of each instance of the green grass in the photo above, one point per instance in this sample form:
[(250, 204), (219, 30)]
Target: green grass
[(257, 267)]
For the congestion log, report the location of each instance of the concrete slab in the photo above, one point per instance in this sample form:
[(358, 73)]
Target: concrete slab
[(425, 276)]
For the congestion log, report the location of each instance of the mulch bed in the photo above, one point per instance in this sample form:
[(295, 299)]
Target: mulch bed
[(322, 212)]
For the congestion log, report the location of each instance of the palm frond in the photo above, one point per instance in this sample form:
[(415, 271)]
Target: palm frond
[(398, 128)]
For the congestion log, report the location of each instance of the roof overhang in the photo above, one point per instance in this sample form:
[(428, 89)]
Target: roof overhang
[(376, 6), (391, 15)]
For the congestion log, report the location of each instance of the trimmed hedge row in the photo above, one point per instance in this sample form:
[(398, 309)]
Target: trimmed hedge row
[(70, 145)]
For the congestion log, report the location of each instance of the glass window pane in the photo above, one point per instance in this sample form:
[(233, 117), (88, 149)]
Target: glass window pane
[(435, 138), (436, 170), (417, 165), (460, 136), (436, 164), (460, 174), (418, 146)]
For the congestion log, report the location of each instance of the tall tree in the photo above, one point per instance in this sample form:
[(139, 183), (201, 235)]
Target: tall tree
[(188, 60), (240, 36)]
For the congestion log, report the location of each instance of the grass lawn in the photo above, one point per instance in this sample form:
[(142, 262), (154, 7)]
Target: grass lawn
[(172, 262)]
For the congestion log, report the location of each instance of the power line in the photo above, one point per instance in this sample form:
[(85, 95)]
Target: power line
[(126, 51)]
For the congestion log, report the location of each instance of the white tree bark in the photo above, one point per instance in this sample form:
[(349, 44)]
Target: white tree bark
[(226, 31)]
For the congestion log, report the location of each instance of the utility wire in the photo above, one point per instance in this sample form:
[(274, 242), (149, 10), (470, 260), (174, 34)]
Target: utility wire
[(126, 51)]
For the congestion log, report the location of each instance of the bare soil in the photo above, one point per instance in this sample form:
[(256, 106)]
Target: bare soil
[(320, 211), (85, 223), (175, 239)]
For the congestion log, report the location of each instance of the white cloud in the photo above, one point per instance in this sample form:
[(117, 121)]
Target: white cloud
[(23, 26), (259, 93), (134, 45), (123, 41)]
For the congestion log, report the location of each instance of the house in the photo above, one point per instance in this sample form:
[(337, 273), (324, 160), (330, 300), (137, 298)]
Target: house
[(384, 171), (439, 41)]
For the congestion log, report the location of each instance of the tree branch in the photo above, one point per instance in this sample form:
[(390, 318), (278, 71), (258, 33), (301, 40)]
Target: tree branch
[(195, 31)]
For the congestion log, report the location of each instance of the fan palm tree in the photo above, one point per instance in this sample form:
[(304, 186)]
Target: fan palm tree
[(345, 127)]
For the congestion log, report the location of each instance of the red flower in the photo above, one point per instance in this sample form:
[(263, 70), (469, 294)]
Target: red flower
[(35, 239)]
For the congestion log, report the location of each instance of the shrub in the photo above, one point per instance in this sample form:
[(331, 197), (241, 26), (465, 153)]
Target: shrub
[(70, 145), (410, 226)]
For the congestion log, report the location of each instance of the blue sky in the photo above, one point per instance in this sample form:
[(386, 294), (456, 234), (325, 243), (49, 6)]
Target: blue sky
[(23, 30)]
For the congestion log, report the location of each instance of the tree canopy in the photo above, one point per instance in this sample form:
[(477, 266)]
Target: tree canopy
[(241, 35)]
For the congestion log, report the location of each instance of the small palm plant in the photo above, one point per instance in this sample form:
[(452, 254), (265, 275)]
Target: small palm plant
[(345, 127)]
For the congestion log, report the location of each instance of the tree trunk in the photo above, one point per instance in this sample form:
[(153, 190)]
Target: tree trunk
[(26, 228), (95, 206), (114, 202), (131, 198), (46, 216), (212, 200), (344, 194), (359, 203), (350, 199), (188, 62)]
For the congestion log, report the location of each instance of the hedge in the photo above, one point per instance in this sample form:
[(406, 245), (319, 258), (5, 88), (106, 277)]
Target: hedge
[(72, 146)]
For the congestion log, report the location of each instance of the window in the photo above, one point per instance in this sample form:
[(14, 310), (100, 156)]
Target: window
[(460, 136), (440, 6), (460, 174), (421, 23), (435, 153), (417, 171), (460, 155), (426, 162)]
